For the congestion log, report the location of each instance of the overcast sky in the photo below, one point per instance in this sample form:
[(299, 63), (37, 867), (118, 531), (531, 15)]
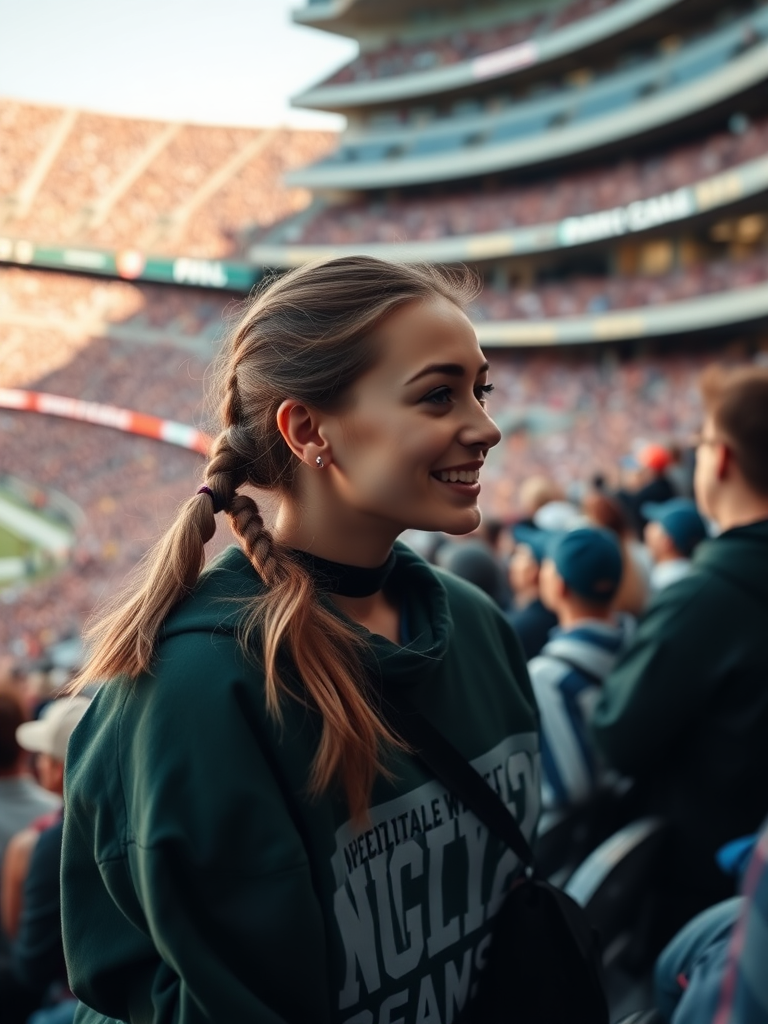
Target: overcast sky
[(210, 61)]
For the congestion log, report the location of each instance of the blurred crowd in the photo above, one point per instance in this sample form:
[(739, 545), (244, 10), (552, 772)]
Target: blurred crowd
[(36, 304), (126, 485), (578, 296), (562, 414), (120, 182), (612, 577), (402, 58), (572, 193)]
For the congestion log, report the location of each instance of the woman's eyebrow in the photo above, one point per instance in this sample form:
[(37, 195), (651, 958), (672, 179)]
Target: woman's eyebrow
[(447, 369)]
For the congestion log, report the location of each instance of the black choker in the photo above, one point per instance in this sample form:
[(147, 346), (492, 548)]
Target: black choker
[(345, 580)]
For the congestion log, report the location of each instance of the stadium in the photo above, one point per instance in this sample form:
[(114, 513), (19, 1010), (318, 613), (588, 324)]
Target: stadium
[(601, 165)]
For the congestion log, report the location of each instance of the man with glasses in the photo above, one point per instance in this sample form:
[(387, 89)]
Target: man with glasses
[(685, 710)]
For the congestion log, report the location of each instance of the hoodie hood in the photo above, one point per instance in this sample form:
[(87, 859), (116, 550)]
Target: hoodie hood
[(225, 589), (739, 556)]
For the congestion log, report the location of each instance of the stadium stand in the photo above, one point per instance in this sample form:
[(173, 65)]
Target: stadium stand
[(495, 207), (579, 295), (569, 414), (480, 133), (400, 57), (125, 485), (113, 182)]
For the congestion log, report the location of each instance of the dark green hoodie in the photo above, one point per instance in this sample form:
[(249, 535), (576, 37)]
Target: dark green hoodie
[(201, 883), (685, 710)]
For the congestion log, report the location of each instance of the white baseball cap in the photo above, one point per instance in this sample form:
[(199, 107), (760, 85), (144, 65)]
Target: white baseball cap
[(50, 733)]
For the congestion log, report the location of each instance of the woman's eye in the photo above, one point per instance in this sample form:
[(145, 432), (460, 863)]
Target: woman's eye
[(483, 391), (440, 396)]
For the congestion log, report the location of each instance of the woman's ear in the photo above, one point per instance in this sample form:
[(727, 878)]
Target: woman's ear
[(299, 425)]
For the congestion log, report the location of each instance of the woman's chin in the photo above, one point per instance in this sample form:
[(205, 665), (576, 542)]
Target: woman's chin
[(458, 524)]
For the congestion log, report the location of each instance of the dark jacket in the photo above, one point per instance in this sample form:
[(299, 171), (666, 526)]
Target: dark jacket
[(38, 956), (686, 708), (202, 883), (533, 624)]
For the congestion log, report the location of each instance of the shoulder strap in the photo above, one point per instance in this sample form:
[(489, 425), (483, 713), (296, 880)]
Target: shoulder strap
[(455, 772)]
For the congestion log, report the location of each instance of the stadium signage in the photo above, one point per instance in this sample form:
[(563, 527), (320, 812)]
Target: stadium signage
[(89, 412), (621, 220), (210, 273), (132, 265), (127, 420)]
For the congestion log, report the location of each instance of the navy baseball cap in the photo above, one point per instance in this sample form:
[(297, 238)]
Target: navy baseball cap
[(589, 561), (534, 538), (680, 520)]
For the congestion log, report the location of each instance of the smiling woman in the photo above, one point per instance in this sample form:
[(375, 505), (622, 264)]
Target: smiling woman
[(266, 818)]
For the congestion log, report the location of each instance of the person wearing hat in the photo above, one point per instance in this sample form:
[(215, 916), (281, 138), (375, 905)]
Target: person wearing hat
[(22, 798), (646, 480), (685, 710), (530, 618), (673, 531), (580, 576), (47, 739)]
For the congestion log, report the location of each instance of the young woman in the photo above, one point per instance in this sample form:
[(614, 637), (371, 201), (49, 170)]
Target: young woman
[(247, 839)]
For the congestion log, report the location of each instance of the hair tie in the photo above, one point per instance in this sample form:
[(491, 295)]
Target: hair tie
[(217, 503)]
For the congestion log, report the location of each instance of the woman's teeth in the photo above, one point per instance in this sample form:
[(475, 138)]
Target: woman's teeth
[(458, 476)]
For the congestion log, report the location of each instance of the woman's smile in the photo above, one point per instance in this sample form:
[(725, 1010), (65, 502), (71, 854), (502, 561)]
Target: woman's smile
[(464, 479)]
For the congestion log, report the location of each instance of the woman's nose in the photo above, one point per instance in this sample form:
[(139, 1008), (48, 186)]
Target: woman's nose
[(480, 431)]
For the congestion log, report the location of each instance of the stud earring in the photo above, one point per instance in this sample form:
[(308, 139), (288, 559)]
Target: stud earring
[(319, 462)]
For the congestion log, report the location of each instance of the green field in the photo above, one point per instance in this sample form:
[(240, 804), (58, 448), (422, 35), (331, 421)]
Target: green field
[(11, 545)]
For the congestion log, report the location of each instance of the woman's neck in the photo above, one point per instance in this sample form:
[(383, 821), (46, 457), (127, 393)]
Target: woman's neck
[(377, 613), (337, 541)]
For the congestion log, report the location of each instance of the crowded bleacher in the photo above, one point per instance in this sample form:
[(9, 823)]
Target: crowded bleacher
[(577, 295), (123, 182), (489, 208), (400, 58)]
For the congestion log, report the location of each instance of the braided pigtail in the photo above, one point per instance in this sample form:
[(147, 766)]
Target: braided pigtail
[(325, 652), (308, 336)]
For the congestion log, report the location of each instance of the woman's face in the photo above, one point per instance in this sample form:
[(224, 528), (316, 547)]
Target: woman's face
[(408, 447)]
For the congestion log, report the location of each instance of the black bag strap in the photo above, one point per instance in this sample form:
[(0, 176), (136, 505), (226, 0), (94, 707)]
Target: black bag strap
[(455, 772)]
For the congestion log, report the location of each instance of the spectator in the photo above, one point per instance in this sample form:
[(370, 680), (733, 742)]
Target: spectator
[(672, 533), (531, 619), (47, 738), (21, 798), (685, 711), (34, 921), (605, 511), (579, 578), (648, 481), (474, 560), (535, 493), (714, 969)]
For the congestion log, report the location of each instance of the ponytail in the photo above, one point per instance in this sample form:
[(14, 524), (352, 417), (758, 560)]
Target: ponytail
[(307, 336)]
